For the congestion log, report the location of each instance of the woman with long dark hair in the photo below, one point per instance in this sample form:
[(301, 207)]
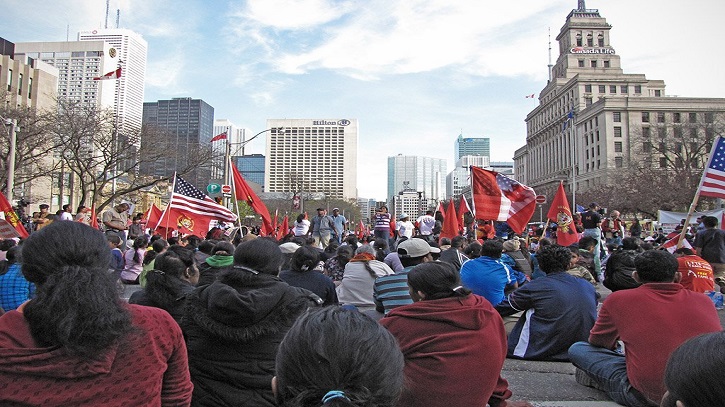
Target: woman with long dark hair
[(77, 343), (173, 277), (453, 341), (359, 277), (302, 274)]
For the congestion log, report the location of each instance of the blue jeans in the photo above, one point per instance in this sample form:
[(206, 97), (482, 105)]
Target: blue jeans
[(609, 370), (597, 234)]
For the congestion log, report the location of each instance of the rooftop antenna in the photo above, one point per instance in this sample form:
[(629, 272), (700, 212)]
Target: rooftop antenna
[(118, 17), (550, 65), (108, 4), (67, 32)]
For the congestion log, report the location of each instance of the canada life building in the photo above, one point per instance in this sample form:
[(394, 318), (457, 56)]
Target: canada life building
[(312, 156)]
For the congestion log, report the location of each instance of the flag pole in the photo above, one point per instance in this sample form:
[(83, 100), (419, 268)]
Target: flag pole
[(696, 199), (234, 191), (173, 186)]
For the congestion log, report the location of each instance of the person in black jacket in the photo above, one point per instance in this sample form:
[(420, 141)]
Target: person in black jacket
[(234, 327), (620, 266)]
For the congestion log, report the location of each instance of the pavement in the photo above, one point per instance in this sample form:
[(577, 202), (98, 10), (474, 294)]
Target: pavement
[(543, 384)]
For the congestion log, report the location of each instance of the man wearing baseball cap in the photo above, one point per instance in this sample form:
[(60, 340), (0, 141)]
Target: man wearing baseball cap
[(392, 291)]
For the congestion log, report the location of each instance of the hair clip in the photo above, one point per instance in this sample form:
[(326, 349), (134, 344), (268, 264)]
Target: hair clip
[(334, 394), (457, 288)]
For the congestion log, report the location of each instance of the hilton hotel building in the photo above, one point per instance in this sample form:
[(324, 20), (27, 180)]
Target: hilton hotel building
[(315, 155), (614, 114)]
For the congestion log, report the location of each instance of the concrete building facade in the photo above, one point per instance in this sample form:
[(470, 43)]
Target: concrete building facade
[(312, 156), (593, 119)]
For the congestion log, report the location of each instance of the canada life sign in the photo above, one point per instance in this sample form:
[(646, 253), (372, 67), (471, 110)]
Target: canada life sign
[(585, 50)]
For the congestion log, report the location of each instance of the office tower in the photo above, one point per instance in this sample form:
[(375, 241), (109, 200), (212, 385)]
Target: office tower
[(312, 156), (421, 174), (472, 146), (183, 126)]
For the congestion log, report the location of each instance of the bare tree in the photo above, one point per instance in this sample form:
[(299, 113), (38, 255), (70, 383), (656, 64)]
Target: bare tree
[(105, 163)]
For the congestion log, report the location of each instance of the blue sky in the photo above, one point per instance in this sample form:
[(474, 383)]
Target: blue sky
[(414, 73)]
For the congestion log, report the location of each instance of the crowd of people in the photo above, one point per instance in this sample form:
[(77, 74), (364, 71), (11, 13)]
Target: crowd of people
[(323, 317)]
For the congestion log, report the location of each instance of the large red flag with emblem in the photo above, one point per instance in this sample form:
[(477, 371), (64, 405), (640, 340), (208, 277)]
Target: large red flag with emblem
[(497, 197), (560, 213), (243, 192), (12, 217), (190, 210)]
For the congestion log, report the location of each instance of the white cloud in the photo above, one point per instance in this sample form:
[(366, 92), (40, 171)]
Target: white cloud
[(289, 15)]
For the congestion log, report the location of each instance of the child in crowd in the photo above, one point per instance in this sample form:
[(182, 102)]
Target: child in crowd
[(577, 270), (117, 262)]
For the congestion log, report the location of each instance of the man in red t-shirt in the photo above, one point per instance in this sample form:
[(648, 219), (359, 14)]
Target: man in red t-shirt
[(651, 321), (696, 272)]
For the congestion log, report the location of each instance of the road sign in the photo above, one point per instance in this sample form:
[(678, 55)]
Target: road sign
[(540, 199), (213, 188), (226, 189)]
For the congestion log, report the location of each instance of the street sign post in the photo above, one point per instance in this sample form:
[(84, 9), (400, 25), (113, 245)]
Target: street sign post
[(226, 189), (540, 199), (213, 189)]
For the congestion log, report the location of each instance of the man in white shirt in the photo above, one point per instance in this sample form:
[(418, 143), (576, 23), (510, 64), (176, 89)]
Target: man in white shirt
[(66, 215), (425, 224)]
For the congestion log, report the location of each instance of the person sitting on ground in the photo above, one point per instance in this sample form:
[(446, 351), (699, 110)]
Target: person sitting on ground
[(696, 273), (221, 259), (472, 251), (203, 251), (453, 342), (514, 258), (651, 320), (391, 291), (620, 266), (559, 309), (338, 357), (454, 255), (76, 343), (535, 270), (14, 288), (381, 249), (158, 246), (133, 261), (302, 274), (335, 266), (359, 277), (234, 325), (577, 270), (173, 277), (487, 275), (692, 375), (393, 260), (587, 247)]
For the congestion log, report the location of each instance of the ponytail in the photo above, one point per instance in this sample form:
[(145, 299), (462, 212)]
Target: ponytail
[(78, 309)]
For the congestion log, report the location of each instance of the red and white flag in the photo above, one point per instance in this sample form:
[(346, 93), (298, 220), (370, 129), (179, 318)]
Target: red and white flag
[(713, 179), (111, 75), (497, 197), (190, 210), (220, 136), (531, 96), (671, 245)]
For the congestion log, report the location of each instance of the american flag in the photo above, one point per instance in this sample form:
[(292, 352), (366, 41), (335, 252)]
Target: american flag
[(713, 179), (188, 198), (497, 197)]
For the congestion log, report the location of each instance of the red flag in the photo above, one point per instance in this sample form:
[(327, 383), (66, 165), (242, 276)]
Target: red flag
[(153, 216), (463, 209), (220, 136), (713, 179), (497, 197), (560, 213), (284, 230), (392, 227), (12, 217), (450, 222), (190, 210), (243, 192), (94, 217), (671, 245), (111, 75)]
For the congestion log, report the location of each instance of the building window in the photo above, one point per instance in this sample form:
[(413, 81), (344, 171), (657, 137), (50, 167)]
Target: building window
[(602, 89), (658, 93), (594, 63), (663, 162), (606, 63), (579, 41), (662, 147), (646, 147), (617, 117), (20, 84), (645, 132), (617, 131), (599, 164), (612, 88), (693, 132), (617, 146), (588, 88), (600, 39), (638, 89), (645, 117), (676, 117), (624, 89), (661, 132), (618, 162), (581, 63), (588, 101), (692, 117), (10, 79), (709, 117), (678, 132), (660, 117), (30, 88), (709, 133), (678, 148), (590, 40)]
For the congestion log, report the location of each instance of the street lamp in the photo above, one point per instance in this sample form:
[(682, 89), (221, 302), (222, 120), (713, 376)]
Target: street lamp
[(227, 154), (13, 123)]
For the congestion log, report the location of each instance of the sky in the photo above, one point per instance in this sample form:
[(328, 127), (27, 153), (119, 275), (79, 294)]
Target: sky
[(414, 73)]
